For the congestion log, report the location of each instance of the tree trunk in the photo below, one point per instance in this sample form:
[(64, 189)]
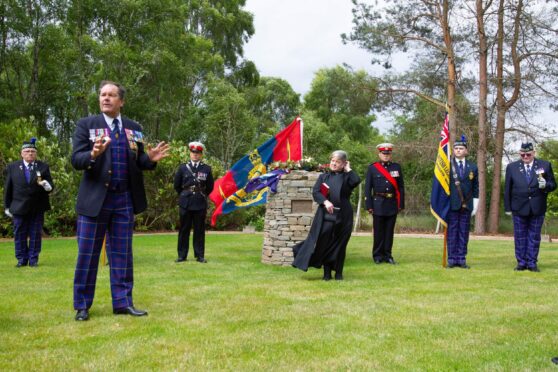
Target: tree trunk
[(493, 218), (503, 106), (452, 75), (480, 218)]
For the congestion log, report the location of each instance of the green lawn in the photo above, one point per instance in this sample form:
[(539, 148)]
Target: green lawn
[(235, 313)]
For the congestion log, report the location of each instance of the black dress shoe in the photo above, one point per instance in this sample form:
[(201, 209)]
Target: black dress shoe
[(534, 269), (554, 360), (180, 259), (338, 276), (82, 315), (201, 260), (377, 261), (130, 310), (34, 264), (391, 261), (520, 268), (450, 266), (464, 266)]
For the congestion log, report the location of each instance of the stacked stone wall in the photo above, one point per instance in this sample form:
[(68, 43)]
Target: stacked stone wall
[(288, 216)]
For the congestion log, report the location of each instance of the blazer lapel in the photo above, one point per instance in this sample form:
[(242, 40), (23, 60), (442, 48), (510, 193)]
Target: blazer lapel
[(21, 173), (33, 174), (465, 170)]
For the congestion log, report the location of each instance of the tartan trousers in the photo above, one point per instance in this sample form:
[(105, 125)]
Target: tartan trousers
[(459, 223), (527, 239), (27, 237), (117, 217)]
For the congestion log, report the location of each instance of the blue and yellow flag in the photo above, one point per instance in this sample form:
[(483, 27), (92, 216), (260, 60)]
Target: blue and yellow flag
[(440, 197), (230, 193)]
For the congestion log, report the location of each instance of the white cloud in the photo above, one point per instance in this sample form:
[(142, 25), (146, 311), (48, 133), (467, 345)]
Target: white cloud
[(294, 39)]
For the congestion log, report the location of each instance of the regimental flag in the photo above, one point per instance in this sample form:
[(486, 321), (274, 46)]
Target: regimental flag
[(231, 192), (440, 197)]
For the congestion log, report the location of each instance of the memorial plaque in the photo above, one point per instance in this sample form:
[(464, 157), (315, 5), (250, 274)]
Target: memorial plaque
[(301, 206)]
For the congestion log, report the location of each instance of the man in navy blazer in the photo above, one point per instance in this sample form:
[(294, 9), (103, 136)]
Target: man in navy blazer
[(464, 201), (528, 182), (109, 149), (26, 199)]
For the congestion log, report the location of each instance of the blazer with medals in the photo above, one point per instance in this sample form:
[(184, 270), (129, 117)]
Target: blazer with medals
[(193, 185), (525, 198), (469, 185), (377, 183), (97, 174), (22, 198)]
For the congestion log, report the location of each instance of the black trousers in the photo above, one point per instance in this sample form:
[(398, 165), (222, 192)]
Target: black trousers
[(187, 219), (384, 227)]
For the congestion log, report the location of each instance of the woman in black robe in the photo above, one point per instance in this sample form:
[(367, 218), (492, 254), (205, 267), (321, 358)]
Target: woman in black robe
[(331, 228)]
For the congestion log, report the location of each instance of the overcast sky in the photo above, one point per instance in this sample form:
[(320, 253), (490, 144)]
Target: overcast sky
[(295, 38)]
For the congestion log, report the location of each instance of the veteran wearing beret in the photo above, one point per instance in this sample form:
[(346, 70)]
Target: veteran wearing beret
[(464, 201), (529, 180), (109, 149), (193, 182), (384, 192), (26, 199)]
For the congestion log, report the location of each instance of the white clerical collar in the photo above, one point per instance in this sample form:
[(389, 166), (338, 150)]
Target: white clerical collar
[(110, 121)]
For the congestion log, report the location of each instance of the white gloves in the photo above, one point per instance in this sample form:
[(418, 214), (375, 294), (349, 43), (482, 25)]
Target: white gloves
[(475, 206), (508, 213), (45, 185), (7, 212), (542, 183)]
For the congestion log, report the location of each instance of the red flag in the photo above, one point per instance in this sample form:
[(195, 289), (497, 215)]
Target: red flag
[(284, 146)]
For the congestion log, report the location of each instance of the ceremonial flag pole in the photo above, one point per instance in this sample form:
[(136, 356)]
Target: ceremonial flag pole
[(440, 196)]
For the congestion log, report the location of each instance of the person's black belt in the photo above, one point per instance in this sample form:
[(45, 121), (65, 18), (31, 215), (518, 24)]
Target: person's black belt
[(193, 188), (387, 195)]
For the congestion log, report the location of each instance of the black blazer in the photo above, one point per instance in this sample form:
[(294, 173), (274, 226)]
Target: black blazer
[(96, 176), (377, 183), (184, 180), (469, 185), (526, 199), (22, 198)]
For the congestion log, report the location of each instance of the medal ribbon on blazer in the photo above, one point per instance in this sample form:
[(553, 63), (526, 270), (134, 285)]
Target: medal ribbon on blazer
[(391, 180)]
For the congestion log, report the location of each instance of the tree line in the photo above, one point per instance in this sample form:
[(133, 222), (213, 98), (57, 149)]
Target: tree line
[(492, 64), (182, 63)]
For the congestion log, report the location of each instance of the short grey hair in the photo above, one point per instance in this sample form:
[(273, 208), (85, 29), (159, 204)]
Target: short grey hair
[(121, 89), (340, 154)]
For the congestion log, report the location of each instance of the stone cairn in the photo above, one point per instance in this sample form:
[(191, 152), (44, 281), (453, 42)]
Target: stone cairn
[(288, 216)]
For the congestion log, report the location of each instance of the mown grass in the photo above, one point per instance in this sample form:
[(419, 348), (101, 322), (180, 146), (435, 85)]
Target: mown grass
[(235, 313)]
